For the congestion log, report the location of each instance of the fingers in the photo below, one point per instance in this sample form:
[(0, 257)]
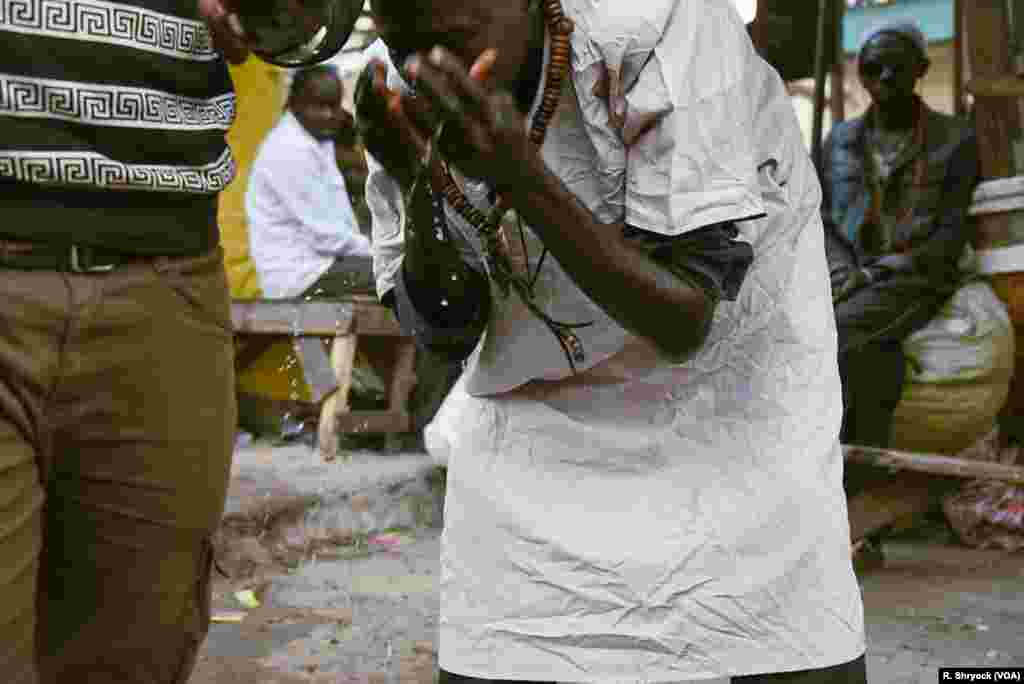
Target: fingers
[(384, 124), (420, 113), (225, 30), (405, 127), (445, 80), (504, 116), (416, 110), (483, 66)]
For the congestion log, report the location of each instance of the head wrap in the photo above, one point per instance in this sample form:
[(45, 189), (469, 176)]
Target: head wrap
[(302, 78), (903, 27)]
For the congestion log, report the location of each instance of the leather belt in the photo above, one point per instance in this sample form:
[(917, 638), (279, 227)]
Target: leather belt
[(38, 256)]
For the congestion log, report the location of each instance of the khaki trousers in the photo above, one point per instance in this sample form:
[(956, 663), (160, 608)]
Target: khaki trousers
[(117, 423)]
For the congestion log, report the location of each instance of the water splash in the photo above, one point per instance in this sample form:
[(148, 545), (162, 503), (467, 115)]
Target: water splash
[(295, 427)]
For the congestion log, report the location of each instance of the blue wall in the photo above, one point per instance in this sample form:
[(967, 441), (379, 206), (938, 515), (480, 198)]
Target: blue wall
[(935, 17)]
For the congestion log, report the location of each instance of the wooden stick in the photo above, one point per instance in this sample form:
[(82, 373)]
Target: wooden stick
[(934, 464), (820, 70), (959, 104), (838, 99)]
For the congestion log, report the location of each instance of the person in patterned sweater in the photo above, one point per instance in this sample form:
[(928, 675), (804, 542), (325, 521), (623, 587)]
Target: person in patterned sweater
[(117, 414)]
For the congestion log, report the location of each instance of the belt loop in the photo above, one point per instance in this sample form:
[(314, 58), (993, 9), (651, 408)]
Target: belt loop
[(79, 259), (161, 264)]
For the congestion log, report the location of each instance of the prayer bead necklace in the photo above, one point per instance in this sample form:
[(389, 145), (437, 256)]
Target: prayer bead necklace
[(561, 28), (488, 225)]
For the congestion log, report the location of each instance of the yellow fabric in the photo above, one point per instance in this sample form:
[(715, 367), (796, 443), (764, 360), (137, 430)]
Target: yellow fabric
[(947, 418), (260, 93)]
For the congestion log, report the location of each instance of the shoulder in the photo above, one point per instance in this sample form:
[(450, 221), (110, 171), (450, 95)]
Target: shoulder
[(285, 144), (946, 129), (701, 47), (644, 24)]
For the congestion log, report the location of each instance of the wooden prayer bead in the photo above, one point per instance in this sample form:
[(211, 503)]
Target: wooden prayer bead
[(561, 27)]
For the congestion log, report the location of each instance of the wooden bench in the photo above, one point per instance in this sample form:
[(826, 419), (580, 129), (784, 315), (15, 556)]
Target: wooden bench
[(353, 323)]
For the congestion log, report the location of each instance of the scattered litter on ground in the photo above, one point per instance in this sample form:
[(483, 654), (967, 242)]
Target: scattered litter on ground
[(247, 598), (229, 617)]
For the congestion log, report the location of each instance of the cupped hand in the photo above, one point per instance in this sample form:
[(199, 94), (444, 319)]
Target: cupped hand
[(225, 29), (384, 126)]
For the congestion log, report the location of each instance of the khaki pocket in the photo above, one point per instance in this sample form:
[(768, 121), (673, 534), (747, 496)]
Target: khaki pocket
[(201, 284)]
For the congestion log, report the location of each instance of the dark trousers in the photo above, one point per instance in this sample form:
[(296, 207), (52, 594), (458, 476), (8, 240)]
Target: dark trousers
[(853, 672), (872, 323)]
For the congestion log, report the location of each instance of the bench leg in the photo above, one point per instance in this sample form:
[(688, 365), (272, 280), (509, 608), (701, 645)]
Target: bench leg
[(343, 355), (404, 379)]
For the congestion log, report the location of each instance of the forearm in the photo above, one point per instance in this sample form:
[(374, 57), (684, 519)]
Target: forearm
[(643, 296), (939, 257)]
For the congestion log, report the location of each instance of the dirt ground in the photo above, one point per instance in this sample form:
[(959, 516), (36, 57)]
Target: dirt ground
[(353, 598), (371, 617)]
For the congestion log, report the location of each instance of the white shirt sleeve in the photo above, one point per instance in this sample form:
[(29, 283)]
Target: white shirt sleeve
[(384, 200), (384, 195), (321, 207), (679, 103), (296, 181)]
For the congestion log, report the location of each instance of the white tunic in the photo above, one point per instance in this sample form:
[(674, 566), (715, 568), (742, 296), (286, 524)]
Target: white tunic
[(645, 521), (299, 212)]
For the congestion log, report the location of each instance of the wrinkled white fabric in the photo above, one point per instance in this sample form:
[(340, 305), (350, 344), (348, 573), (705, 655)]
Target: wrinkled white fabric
[(644, 521), (299, 212), (964, 340)]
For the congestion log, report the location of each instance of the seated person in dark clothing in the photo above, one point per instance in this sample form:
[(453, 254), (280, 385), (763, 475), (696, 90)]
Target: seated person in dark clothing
[(897, 183), (304, 233)]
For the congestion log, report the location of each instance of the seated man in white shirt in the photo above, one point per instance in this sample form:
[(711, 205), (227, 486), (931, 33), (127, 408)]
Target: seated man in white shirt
[(304, 236), (303, 233)]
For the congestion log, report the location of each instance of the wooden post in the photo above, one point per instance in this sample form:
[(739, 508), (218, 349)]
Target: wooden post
[(838, 64), (987, 34), (343, 359), (959, 105), (934, 464), (820, 64), (988, 45)]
